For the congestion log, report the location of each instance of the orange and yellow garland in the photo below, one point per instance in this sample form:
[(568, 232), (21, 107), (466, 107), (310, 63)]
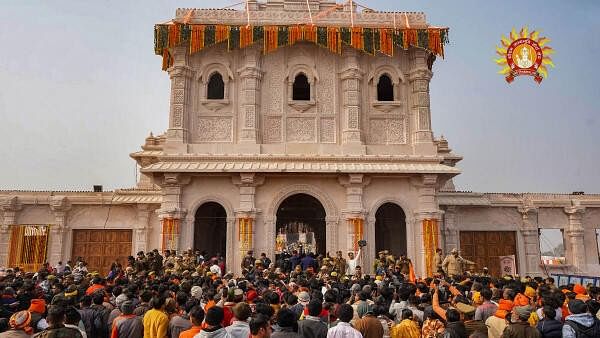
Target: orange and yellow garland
[(430, 243), (170, 233), (28, 251), (245, 234), (357, 226)]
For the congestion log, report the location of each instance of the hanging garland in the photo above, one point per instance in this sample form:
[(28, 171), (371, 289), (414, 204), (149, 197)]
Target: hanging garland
[(368, 40)]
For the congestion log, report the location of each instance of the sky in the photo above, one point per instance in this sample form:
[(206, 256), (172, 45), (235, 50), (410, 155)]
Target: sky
[(81, 88)]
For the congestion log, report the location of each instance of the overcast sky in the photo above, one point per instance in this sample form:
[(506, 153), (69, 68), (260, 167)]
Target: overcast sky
[(81, 88)]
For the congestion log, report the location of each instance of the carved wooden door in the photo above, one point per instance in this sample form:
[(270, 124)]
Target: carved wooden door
[(485, 248), (99, 248)]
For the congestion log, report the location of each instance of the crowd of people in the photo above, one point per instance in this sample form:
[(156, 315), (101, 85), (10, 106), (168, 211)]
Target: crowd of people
[(191, 294)]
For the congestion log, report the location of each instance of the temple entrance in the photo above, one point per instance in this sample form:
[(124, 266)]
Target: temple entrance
[(300, 225), (390, 229), (210, 229)]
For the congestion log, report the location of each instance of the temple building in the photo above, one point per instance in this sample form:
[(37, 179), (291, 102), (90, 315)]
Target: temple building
[(295, 126)]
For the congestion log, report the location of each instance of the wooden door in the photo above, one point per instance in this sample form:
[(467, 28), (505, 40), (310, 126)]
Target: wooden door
[(485, 248), (99, 248)]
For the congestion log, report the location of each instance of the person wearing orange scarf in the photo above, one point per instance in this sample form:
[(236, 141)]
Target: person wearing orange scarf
[(581, 292), (497, 323)]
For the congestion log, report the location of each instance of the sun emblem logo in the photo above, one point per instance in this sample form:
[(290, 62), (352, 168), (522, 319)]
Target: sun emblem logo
[(524, 54)]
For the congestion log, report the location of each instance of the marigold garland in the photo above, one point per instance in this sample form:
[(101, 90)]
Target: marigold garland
[(369, 40)]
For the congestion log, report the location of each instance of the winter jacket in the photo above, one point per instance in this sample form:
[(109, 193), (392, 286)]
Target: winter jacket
[(581, 325), (550, 328), (238, 329), (521, 330), (285, 332), (312, 327), (127, 326), (219, 333)]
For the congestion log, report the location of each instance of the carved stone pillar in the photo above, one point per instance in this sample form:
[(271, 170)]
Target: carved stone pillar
[(142, 229), (10, 209), (428, 209), (419, 77), (270, 227), (181, 100), (449, 229), (171, 208), (250, 76), (229, 247), (354, 210), (351, 78), (575, 235), (56, 249), (331, 229), (246, 216), (529, 231)]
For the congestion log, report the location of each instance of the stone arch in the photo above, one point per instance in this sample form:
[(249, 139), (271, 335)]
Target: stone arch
[(230, 223), (395, 75), (211, 198), (405, 205), (326, 201), (331, 213), (207, 71)]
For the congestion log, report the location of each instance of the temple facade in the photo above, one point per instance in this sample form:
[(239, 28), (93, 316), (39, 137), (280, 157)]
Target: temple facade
[(303, 142)]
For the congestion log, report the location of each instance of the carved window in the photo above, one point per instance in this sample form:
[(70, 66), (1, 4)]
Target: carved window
[(385, 89), (216, 87), (301, 88)]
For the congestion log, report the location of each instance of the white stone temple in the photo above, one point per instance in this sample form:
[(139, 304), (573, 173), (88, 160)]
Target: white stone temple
[(339, 146)]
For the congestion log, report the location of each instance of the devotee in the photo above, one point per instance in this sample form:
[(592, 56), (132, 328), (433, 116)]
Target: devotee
[(344, 329), (156, 320), (127, 325), (260, 327), (56, 327), (19, 326)]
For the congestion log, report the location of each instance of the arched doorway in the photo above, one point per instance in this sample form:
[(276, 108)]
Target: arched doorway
[(210, 229), (301, 225), (390, 229)]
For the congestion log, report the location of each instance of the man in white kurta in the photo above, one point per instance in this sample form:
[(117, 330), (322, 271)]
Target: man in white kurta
[(343, 329)]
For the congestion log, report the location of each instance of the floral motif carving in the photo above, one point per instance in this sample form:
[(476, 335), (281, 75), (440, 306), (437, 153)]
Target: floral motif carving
[(423, 99), (420, 85), (328, 130), (424, 118), (177, 113), (387, 131), (300, 129), (377, 131), (272, 132), (273, 84), (214, 129), (397, 131), (250, 116), (178, 95), (326, 86), (352, 117)]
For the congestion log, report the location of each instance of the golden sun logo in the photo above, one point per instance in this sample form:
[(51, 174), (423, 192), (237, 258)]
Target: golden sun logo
[(524, 54)]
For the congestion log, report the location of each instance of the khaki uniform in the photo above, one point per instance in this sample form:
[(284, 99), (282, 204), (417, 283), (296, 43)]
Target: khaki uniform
[(454, 265)]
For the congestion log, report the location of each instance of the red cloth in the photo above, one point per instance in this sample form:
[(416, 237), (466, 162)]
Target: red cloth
[(38, 306), (92, 289)]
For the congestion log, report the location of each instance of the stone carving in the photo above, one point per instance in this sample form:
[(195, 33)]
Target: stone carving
[(177, 115), (300, 129), (272, 131), (214, 129), (387, 131), (273, 84), (178, 95), (423, 99), (327, 130), (179, 82), (377, 131), (420, 86), (271, 16), (326, 86), (424, 118), (397, 131), (250, 116), (352, 117)]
